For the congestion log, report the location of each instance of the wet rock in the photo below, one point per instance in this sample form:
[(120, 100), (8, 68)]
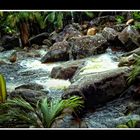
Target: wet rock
[(102, 20), (47, 42), (112, 37), (38, 39), (135, 90), (66, 71), (58, 52), (128, 60), (8, 56), (119, 27), (31, 96), (109, 33), (130, 37), (63, 73), (2, 62), (136, 51), (98, 89), (9, 42), (35, 46), (13, 57), (32, 86), (1, 49), (71, 30), (85, 46)]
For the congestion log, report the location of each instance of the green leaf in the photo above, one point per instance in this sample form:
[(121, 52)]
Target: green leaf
[(131, 123), (52, 110), (50, 17), (122, 126), (3, 92), (90, 14)]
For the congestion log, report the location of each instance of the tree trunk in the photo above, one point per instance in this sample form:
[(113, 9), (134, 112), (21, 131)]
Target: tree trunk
[(24, 33)]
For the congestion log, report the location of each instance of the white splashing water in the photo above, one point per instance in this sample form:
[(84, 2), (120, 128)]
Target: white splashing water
[(31, 64), (99, 63), (56, 84)]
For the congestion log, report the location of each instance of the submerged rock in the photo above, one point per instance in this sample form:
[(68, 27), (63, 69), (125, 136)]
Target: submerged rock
[(99, 88)]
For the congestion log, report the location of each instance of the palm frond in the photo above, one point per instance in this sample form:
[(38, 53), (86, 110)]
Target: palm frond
[(20, 102), (52, 110)]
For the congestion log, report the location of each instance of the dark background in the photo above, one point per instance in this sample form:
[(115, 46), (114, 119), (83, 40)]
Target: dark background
[(69, 4)]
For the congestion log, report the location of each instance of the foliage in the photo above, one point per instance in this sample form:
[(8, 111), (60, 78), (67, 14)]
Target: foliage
[(136, 15), (130, 124), (14, 18), (120, 19), (137, 25), (89, 14), (51, 110), (44, 114), (135, 72), (3, 93), (56, 18)]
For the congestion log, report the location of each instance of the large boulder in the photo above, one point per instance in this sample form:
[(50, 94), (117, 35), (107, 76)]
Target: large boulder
[(99, 88), (112, 37), (85, 46), (130, 37), (32, 86), (71, 30), (109, 33), (67, 70), (58, 52), (31, 96)]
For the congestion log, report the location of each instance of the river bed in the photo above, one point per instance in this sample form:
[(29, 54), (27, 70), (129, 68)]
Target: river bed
[(30, 70)]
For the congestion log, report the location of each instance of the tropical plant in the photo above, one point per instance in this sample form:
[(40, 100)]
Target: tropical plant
[(135, 72), (44, 114), (130, 124), (55, 18), (120, 19), (24, 23), (136, 15), (3, 93)]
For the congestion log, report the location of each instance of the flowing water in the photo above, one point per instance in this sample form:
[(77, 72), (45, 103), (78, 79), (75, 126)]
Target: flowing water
[(31, 70)]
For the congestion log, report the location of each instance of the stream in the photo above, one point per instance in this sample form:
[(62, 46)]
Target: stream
[(30, 70)]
